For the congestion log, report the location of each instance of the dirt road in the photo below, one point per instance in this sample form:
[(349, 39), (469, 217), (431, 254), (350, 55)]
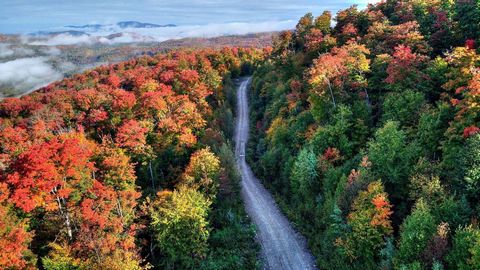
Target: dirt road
[(282, 247)]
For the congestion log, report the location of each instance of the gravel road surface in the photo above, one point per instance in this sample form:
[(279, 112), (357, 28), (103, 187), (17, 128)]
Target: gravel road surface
[(282, 246)]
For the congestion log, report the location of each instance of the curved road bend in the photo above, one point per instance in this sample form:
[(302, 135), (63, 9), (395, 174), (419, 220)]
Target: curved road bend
[(282, 247)]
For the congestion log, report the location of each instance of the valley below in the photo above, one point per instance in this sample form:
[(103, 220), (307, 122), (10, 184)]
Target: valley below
[(26, 64)]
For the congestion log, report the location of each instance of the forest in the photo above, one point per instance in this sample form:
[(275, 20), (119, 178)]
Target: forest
[(127, 166), (366, 128)]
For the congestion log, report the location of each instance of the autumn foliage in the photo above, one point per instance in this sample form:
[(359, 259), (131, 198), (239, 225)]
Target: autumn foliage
[(79, 157), (367, 132)]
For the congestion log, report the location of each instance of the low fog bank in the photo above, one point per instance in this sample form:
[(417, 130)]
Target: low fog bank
[(113, 34), (25, 74)]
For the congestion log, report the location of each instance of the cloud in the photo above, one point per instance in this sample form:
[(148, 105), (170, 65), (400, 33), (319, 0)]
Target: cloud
[(7, 50), (27, 74), (213, 30), (52, 51), (113, 35), (62, 39)]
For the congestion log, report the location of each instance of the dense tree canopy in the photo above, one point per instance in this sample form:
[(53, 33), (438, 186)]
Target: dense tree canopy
[(367, 132), (82, 160)]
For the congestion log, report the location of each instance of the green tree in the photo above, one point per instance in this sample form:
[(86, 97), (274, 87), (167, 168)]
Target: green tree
[(324, 22), (335, 134), (202, 172), (431, 126), (60, 258), (180, 225), (472, 163), (391, 157), (465, 252), (404, 107), (415, 233), (424, 183), (467, 14), (304, 174), (331, 256)]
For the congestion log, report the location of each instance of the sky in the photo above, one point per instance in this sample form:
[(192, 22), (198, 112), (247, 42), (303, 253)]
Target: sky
[(26, 16)]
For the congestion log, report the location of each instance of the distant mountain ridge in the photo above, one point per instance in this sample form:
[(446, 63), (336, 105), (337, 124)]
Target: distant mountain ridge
[(95, 26), (55, 33), (135, 24), (85, 30), (122, 25)]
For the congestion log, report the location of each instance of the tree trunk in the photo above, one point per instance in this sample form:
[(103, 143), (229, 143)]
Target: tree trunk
[(331, 93), (152, 247), (65, 215), (119, 210), (368, 99), (151, 174)]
